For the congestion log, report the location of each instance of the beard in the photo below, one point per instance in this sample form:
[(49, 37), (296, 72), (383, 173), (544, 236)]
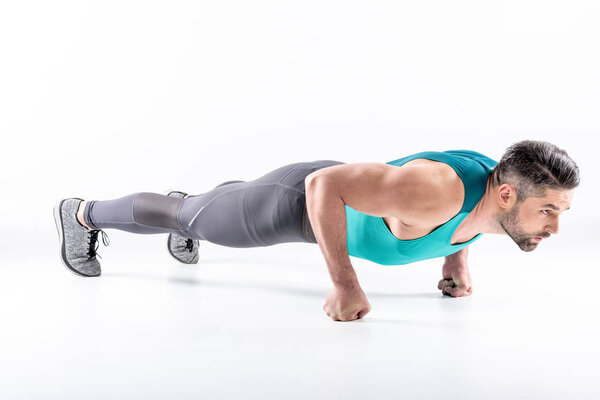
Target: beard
[(511, 223)]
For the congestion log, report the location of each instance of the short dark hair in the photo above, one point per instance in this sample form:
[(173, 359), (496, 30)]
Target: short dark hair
[(533, 166)]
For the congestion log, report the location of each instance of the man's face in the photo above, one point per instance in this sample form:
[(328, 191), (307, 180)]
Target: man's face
[(535, 218)]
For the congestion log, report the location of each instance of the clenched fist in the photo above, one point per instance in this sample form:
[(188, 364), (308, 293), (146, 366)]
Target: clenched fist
[(456, 280), (346, 304)]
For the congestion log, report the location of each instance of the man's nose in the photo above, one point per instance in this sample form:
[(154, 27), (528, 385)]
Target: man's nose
[(553, 227)]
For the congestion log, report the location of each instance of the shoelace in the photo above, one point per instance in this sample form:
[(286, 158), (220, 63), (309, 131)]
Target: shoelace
[(94, 244), (189, 245)]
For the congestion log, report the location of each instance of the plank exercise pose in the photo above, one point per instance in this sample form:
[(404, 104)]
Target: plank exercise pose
[(430, 204)]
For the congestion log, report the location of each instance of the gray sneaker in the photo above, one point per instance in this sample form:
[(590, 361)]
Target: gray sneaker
[(181, 248), (78, 245)]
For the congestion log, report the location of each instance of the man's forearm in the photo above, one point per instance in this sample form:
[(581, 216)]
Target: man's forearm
[(327, 215), (459, 258)]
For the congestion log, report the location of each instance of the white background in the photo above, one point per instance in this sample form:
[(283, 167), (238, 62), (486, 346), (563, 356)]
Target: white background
[(100, 99)]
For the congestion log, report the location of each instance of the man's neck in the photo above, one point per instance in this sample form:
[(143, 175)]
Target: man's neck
[(482, 219)]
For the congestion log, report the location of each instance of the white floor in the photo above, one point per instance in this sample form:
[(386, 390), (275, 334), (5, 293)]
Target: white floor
[(248, 324)]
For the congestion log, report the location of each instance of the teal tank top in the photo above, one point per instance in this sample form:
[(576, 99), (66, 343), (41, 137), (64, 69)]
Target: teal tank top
[(368, 237)]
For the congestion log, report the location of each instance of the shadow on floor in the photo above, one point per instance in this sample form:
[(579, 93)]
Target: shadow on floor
[(263, 286)]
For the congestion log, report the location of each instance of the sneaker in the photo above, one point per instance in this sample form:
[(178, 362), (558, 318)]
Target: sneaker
[(181, 248), (78, 245)]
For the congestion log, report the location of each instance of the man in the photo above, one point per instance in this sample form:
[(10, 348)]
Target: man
[(430, 204)]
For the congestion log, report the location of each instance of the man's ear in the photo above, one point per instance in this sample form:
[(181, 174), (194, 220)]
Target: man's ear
[(506, 196)]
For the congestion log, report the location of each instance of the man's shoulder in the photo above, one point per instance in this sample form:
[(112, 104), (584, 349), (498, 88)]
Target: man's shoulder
[(438, 174), (448, 192), (442, 189), (463, 160)]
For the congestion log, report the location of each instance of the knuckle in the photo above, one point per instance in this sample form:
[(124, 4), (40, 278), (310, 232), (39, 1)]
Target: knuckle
[(348, 317)]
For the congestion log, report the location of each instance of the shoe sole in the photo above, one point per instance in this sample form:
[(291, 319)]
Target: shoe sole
[(60, 228)]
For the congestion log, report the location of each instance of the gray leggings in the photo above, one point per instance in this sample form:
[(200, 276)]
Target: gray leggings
[(263, 212)]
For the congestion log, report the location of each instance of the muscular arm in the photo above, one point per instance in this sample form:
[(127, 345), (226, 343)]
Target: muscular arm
[(327, 213), (371, 188), (346, 301)]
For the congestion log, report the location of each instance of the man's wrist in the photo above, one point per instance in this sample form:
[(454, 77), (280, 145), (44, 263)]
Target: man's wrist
[(349, 283)]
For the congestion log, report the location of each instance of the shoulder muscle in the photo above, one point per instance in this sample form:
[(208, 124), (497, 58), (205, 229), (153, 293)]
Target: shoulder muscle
[(412, 192)]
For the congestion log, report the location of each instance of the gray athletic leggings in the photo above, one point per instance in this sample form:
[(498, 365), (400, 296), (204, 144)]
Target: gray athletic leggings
[(263, 212)]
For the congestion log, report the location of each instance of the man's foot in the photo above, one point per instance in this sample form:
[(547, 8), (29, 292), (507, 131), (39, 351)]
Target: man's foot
[(181, 248), (78, 244)]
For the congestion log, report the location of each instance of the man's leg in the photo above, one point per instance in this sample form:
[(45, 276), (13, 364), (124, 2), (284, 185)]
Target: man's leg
[(263, 212), (142, 212)]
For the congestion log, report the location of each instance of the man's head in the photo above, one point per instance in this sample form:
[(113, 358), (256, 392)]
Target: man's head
[(533, 184)]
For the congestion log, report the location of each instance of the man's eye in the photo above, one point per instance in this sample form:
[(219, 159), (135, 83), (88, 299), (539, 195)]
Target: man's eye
[(545, 212)]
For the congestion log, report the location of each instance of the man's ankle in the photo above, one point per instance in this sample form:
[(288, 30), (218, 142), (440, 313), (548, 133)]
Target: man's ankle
[(80, 215)]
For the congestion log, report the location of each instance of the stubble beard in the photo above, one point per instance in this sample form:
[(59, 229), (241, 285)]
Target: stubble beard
[(511, 224)]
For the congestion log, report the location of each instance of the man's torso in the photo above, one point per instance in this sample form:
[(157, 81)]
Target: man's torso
[(461, 177)]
